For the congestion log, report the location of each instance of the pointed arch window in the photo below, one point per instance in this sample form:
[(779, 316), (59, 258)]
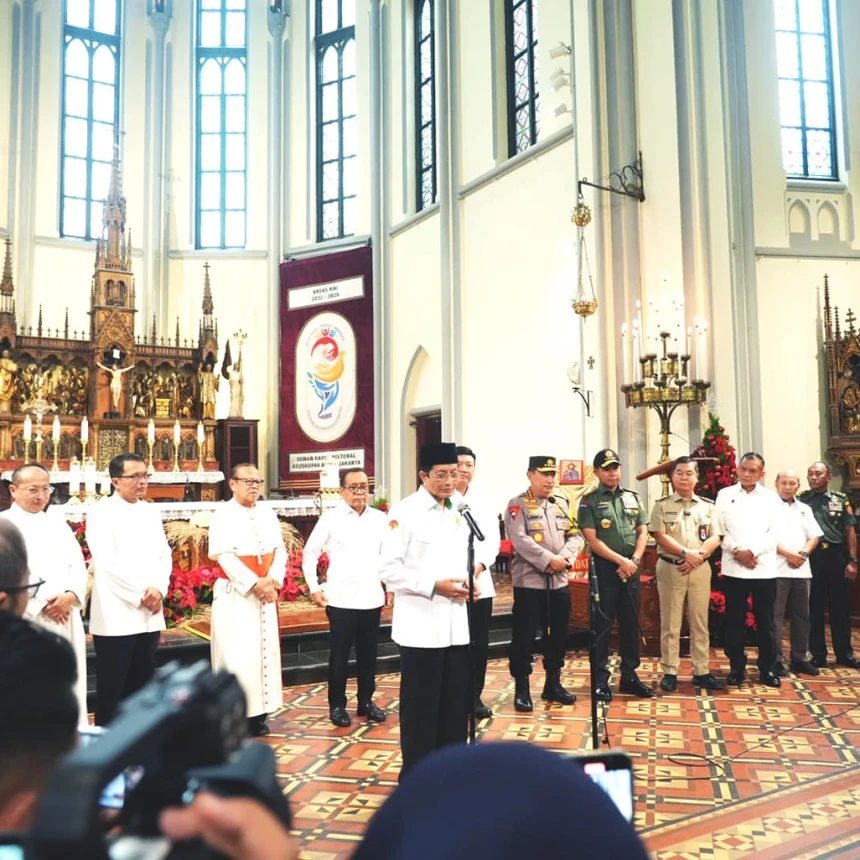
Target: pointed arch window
[(425, 103), (91, 46), (222, 87), (337, 119), (804, 63), (522, 74)]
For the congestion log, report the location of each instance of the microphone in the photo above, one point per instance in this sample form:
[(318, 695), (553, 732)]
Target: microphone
[(592, 582), (463, 509), (551, 499)]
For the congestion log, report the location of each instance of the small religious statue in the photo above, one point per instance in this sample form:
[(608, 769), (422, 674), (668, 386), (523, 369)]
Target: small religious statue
[(209, 383), (115, 384), (8, 380), (237, 390)]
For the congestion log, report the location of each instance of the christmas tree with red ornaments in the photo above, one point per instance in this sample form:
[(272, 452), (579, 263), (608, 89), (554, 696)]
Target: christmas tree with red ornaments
[(715, 444)]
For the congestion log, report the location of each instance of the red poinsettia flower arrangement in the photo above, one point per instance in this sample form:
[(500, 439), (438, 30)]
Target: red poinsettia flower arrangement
[(294, 579), (188, 590), (717, 605)]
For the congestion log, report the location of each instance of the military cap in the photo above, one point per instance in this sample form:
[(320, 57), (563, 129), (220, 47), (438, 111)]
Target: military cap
[(543, 464), (606, 457)]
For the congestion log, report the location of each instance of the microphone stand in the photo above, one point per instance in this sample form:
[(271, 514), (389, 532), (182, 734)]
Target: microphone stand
[(593, 600), (470, 565)]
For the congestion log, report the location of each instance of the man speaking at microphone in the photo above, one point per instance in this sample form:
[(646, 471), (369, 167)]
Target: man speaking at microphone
[(546, 543), (423, 561)]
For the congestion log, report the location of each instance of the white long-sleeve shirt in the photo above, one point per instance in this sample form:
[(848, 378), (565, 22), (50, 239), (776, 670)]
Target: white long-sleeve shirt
[(352, 542), (486, 551), (425, 542), (750, 521), (53, 555), (130, 554), (795, 526)]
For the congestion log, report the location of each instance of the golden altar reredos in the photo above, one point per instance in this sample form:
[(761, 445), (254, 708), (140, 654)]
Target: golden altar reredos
[(165, 377)]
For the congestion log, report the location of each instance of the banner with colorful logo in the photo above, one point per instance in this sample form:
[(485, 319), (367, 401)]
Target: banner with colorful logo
[(327, 367)]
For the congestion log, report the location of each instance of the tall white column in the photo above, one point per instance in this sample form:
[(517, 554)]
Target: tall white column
[(277, 197)]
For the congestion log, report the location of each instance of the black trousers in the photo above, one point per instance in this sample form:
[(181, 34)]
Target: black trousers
[(763, 593), (124, 664), (434, 700), (533, 607), (480, 614), (830, 590), (346, 626), (617, 600)]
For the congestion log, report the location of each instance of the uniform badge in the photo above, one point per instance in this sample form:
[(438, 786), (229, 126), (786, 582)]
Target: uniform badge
[(392, 524), (606, 524), (514, 511), (538, 537), (703, 532), (672, 527)]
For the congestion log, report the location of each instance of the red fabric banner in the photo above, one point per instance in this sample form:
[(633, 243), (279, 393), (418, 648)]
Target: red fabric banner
[(327, 392)]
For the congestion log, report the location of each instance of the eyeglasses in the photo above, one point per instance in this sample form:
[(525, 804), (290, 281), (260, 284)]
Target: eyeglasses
[(357, 488), (444, 476), (140, 479), (250, 482), (35, 491), (31, 587)]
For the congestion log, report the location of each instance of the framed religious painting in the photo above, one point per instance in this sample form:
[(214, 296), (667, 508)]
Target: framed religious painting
[(570, 472)]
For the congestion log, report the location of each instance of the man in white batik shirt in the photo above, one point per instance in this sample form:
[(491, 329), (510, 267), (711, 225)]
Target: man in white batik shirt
[(246, 541), (56, 558), (485, 514), (132, 564)]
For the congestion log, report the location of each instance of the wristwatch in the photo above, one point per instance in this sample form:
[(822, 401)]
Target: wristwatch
[(852, 559), (683, 553), (803, 554), (635, 560)]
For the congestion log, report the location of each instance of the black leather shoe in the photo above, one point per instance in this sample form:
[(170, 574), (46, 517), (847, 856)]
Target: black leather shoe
[(373, 712), (522, 695), (821, 662), (340, 717), (769, 679), (554, 692), (850, 662), (634, 687), (257, 728), (779, 670), (735, 679), (482, 712), (804, 667), (602, 692), (708, 682), (669, 683)]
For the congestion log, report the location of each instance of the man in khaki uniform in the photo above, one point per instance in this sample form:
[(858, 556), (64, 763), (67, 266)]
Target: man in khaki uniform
[(687, 530), (546, 543)]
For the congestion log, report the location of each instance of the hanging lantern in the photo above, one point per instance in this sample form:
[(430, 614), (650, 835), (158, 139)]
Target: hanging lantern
[(585, 301)]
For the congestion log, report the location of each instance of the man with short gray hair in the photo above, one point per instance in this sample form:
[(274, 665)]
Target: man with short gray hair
[(797, 536)]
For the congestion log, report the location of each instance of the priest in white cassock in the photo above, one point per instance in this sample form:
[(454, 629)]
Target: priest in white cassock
[(424, 564), (246, 541), (132, 564), (55, 557)]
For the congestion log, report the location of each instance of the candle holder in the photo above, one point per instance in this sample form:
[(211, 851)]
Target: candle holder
[(84, 443), (39, 443), (199, 458), (664, 387), (176, 455), (26, 450), (151, 445)]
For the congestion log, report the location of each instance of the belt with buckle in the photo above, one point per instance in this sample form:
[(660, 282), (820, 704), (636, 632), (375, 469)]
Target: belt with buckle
[(670, 559), (826, 545)]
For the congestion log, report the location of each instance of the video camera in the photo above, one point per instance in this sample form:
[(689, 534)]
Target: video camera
[(185, 732)]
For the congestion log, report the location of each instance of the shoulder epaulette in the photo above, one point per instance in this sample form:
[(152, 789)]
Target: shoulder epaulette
[(664, 498), (838, 494), (628, 490), (706, 499)]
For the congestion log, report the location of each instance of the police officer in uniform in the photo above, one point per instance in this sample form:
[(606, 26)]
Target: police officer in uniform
[(546, 543), (687, 530), (834, 565), (615, 525)]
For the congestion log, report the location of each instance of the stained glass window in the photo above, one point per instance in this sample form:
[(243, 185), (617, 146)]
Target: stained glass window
[(806, 102), (425, 103), (337, 120), (91, 43), (522, 74), (222, 87)]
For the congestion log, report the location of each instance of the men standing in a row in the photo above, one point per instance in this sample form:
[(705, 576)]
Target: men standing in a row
[(424, 564), (246, 541), (546, 543), (615, 525), (131, 573), (486, 552), (749, 513), (687, 530), (352, 596), (834, 565), (56, 558), (797, 536)]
